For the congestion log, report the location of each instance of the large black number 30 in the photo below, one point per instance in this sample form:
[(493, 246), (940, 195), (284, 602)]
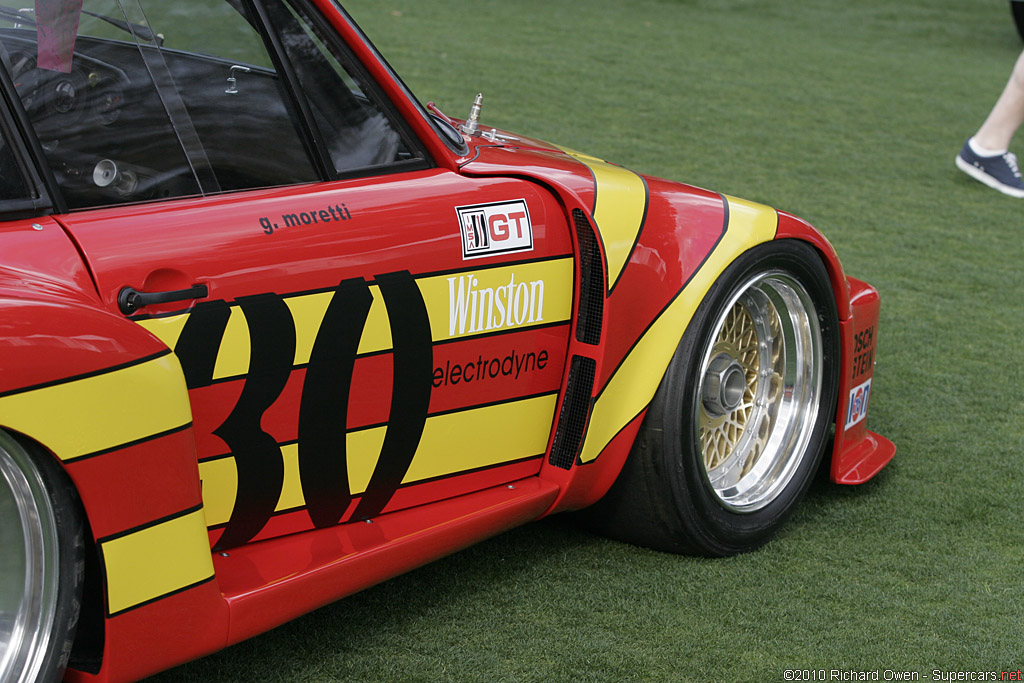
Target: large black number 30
[(326, 393)]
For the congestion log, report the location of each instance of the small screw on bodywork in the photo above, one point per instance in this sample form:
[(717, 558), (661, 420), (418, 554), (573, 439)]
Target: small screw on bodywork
[(510, 487), (225, 555), (36, 226)]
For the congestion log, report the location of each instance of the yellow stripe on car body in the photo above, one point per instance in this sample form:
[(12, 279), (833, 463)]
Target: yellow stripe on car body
[(620, 207), (233, 357), (632, 387), (450, 444), (483, 437), (103, 411), (459, 304), (156, 561)]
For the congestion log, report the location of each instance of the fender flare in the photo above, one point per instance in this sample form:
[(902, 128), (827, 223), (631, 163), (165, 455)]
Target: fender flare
[(109, 401)]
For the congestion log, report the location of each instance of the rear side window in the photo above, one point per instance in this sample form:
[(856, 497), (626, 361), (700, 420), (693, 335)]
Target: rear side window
[(93, 106), (136, 100)]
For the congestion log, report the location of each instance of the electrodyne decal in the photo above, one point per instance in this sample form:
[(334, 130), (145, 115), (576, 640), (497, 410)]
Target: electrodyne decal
[(498, 228)]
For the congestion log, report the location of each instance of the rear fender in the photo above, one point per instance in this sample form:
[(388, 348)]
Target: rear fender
[(109, 401)]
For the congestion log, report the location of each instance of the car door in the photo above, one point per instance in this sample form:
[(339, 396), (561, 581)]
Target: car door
[(359, 330)]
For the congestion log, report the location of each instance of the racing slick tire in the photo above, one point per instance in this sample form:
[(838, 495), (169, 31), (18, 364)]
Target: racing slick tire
[(738, 426), (42, 564)]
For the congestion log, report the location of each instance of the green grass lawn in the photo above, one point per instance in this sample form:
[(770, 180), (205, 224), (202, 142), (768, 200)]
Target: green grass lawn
[(848, 114)]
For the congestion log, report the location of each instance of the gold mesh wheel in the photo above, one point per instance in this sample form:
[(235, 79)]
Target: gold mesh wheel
[(739, 340), (741, 420), (751, 439)]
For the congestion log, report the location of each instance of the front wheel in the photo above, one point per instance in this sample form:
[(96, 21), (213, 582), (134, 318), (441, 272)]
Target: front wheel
[(41, 563), (738, 426)]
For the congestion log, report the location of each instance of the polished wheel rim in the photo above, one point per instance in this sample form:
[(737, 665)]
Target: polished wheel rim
[(759, 389), (28, 565)]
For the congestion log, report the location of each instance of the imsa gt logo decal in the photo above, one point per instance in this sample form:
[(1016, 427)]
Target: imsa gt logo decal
[(499, 228), (858, 409)]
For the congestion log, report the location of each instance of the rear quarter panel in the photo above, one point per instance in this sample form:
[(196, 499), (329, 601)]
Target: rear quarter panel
[(108, 400)]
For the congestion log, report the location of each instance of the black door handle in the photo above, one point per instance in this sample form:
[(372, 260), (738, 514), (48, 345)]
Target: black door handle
[(130, 299)]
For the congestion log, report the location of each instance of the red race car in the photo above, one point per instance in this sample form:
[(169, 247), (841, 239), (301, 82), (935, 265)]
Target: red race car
[(274, 332)]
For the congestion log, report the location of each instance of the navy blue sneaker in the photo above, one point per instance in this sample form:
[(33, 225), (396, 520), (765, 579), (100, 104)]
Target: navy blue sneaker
[(999, 171)]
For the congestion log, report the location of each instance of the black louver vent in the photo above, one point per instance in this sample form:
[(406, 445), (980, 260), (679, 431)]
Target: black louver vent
[(588, 323), (572, 419)]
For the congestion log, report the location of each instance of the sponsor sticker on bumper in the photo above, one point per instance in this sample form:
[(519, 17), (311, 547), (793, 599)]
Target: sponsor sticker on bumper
[(858, 406)]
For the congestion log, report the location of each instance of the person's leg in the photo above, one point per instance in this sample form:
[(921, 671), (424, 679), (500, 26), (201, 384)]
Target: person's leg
[(986, 157), (1006, 116)]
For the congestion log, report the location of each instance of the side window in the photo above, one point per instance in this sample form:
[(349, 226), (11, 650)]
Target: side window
[(350, 114), (92, 105), (245, 130), (136, 100)]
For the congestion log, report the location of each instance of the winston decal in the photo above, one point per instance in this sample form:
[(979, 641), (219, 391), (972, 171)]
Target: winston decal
[(498, 299), (473, 308)]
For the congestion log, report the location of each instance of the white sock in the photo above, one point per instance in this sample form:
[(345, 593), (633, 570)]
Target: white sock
[(983, 152)]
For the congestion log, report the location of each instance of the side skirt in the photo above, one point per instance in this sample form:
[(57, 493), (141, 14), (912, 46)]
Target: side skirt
[(268, 583)]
